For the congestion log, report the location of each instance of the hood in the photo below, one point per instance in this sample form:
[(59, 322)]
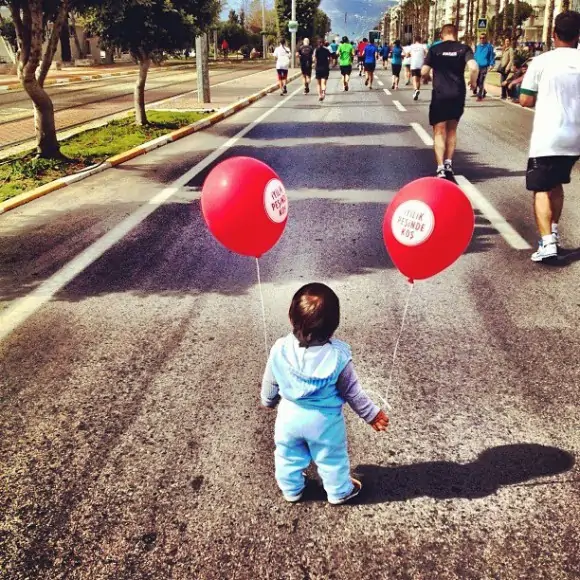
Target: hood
[(315, 362)]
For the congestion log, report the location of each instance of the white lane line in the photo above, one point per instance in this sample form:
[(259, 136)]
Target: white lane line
[(387, 92), (507, 232), (17, 313), (381, 83), (423, 135), (399, 106)]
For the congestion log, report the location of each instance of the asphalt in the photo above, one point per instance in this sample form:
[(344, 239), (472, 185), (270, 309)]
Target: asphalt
[(133, 445)]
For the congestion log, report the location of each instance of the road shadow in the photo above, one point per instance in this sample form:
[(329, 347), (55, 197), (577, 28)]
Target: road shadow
[(566, 257), (495, 468)]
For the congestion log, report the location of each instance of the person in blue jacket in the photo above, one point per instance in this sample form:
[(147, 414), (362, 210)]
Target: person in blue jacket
[(396, 63), (311, 375), (485, 58)]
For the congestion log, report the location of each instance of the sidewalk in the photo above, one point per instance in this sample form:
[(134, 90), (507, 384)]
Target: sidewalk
[(223, 94)]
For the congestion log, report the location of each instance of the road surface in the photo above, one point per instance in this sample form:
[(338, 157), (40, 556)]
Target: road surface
[(133, 445)]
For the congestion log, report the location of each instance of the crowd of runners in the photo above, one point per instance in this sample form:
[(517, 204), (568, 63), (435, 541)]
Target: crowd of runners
[(551, 84)]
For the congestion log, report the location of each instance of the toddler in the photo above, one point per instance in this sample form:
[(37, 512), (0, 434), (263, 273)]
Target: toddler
[(312, 375)]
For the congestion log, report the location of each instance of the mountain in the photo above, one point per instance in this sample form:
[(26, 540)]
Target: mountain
[(361, 15)]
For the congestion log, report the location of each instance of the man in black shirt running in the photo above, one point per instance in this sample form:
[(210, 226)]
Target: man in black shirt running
[(448, 59)]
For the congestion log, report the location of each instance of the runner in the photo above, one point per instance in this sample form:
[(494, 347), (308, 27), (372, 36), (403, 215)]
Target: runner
[(370, 60), (417, 55), (396, 63), (485, 58), (305, 54), (333, 52), (553, 80), (407, 64), (361, 55), (448, 60), (385, 51), (345, 56), (282, 56), (322, 62)]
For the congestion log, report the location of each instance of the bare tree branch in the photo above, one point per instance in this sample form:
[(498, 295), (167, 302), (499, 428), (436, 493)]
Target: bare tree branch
[(52, 43)]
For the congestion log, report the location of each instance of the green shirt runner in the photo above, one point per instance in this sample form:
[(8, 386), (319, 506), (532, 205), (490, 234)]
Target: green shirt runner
[(345, 51)]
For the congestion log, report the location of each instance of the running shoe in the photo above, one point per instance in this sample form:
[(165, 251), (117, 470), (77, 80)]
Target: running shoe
[(370, 87), (556, 235), (366, 82), (346, 87), (449, 175), (441, 173), (356, 488), (416, 96), (545, 251), (285, 90), (407, 83), (392, 86), (479, 99)]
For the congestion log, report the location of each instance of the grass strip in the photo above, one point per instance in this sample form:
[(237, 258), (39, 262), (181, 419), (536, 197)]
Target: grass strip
[(25, 172)]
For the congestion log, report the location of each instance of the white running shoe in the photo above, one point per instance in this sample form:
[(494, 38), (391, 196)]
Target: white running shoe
[(545, 252), (356, 487), (416, 96), (556, 235)]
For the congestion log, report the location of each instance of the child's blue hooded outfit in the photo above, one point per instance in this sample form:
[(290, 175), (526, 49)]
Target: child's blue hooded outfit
[(312, 385)]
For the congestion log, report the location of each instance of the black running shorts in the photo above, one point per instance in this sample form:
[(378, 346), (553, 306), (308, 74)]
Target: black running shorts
[(370, 66), (442, 110), (545, 173), (416, 72), (306, 69), (396, 70), (322, 73), (346, 70)]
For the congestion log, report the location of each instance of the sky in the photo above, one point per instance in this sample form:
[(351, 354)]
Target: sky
[(361, 15)]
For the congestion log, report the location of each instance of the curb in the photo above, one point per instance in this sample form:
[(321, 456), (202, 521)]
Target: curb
[(62, 182), (94, 77)]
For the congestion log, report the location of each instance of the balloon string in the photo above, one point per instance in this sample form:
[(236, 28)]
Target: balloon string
[(263, 307), (386, 399)]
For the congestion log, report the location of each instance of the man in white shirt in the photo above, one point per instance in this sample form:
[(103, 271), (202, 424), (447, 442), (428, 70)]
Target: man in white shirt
[(416, 53), (282, 56), (552, 84)]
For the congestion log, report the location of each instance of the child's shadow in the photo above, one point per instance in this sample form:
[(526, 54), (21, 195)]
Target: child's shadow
[(494, 468)]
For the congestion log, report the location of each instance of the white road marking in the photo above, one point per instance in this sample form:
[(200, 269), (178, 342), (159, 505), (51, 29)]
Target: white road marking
[(18, 312), (381, 83), (399, 106), (424, 136), (387, 92), (507, 232)]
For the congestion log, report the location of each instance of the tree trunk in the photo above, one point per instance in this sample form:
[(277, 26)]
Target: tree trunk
[(467, 32), (496, 28), (515, 20), (73, 28), (64, 37), (29, 24), (483, 9), (140, 112), (457, 14), (550, 8), (505, 18)]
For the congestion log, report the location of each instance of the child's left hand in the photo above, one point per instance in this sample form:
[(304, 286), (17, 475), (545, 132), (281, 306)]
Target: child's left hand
[(380, 422)]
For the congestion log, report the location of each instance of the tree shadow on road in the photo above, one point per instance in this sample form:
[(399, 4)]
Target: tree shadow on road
[(495, 468)]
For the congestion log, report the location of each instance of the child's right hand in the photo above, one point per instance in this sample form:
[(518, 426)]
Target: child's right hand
[(380, 422)]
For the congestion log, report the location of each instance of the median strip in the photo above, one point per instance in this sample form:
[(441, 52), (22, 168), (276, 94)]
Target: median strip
[(64, 181)]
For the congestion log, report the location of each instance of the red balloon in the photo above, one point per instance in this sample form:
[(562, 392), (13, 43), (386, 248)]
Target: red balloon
[(244, 205), (427, 226)]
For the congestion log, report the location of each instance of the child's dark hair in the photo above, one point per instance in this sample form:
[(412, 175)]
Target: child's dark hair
[(314, 314)]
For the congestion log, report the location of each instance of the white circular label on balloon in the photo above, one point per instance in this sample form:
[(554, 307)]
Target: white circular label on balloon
[(413, 223), (276, 201)]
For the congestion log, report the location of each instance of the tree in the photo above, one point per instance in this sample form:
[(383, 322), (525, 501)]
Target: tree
[(525, 10), (149, 30), (254, 18), (234, 34), (515, 24), (38, 25), (497, 9), (321, 24), (8, 32), (233, 17), (505, 17), (305, 13), (549, 32)]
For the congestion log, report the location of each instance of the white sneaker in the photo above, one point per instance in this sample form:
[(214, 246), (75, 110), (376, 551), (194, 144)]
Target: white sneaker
[(357, 486), (545, 252), (416, 96), (556, 235)]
